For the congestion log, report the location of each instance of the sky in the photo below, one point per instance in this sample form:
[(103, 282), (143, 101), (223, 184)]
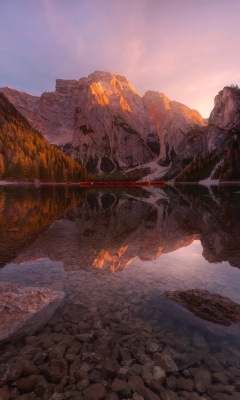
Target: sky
[(186, 49)]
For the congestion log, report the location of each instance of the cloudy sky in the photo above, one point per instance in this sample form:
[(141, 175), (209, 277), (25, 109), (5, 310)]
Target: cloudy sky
[(187, 49)]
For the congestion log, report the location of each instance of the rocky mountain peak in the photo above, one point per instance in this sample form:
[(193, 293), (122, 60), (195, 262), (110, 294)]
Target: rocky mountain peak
[(157, 98), (154, 94), (165, 116), (102, 121), (112, 89), (160, 100), (116, 81), (99, 82), (226, 111)]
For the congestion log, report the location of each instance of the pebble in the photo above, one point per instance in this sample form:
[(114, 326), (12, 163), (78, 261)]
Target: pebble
[(165, 362), (95, 392), (121, 387), (202, 379)]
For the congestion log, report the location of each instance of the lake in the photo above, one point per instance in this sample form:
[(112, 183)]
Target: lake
[(114, 252)]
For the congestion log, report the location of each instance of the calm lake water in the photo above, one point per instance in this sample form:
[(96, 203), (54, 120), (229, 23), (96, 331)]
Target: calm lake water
[(114, 252)]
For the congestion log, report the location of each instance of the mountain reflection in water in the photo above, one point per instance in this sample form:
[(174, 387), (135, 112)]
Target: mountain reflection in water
[(114, 253), (186, 236), (107, 230)]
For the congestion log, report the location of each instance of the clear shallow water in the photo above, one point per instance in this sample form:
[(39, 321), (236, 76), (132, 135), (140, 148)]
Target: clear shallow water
[(114, 253)]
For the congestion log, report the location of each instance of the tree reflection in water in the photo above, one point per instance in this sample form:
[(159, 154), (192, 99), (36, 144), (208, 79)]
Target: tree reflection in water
[(25, 212)]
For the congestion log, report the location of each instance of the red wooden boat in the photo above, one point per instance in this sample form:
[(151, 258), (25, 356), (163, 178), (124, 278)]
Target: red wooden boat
[(139, 183), (149, 183)]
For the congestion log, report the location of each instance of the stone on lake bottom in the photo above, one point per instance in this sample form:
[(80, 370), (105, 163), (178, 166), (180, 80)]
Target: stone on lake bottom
[(24, 310), (95, 392), (215, 313)]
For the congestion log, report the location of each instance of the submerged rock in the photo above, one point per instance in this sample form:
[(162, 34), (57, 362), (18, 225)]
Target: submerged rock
[(219, 311), (24, 310), (210, 306)]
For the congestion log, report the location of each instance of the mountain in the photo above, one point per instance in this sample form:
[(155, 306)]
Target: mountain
[(221, 156), (25, 154), (104, 123), (172, 122)]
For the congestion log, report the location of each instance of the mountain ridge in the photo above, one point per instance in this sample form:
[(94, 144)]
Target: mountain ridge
[(107, 107), (104, 123)]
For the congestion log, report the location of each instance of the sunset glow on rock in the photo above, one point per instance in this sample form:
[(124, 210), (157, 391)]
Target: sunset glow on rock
[(125, 106), (98, 92)]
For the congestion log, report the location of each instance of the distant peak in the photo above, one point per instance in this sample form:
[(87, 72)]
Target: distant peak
[(108, 76), (100, 74), (7, 89), (156, 97), (154, 93), (118, 82)]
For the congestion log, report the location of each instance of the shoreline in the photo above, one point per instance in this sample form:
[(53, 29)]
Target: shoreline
[(39, 183)]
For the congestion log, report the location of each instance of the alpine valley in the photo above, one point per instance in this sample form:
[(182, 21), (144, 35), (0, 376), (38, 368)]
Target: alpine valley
[(105, 125)]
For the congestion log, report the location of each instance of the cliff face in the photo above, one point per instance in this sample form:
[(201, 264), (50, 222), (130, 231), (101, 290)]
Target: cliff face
[(220, 155), (226, 111), (102, 121), (170, 121), (224, 120)]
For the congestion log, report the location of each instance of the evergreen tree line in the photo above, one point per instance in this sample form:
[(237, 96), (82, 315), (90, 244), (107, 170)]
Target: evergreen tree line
[(229, 170), (198, 169), (25, 154)]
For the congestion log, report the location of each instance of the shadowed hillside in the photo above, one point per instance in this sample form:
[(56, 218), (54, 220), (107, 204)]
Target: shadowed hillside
[(25, 154)]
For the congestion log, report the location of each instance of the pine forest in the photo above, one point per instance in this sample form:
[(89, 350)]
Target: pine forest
[(26, 155)]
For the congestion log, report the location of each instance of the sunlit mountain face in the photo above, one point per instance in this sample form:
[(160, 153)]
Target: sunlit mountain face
[(102, 122), (105, 109), (109, 230)]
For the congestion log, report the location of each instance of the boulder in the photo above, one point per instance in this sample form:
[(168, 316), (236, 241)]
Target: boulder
[(218, 314), (24, 310)]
